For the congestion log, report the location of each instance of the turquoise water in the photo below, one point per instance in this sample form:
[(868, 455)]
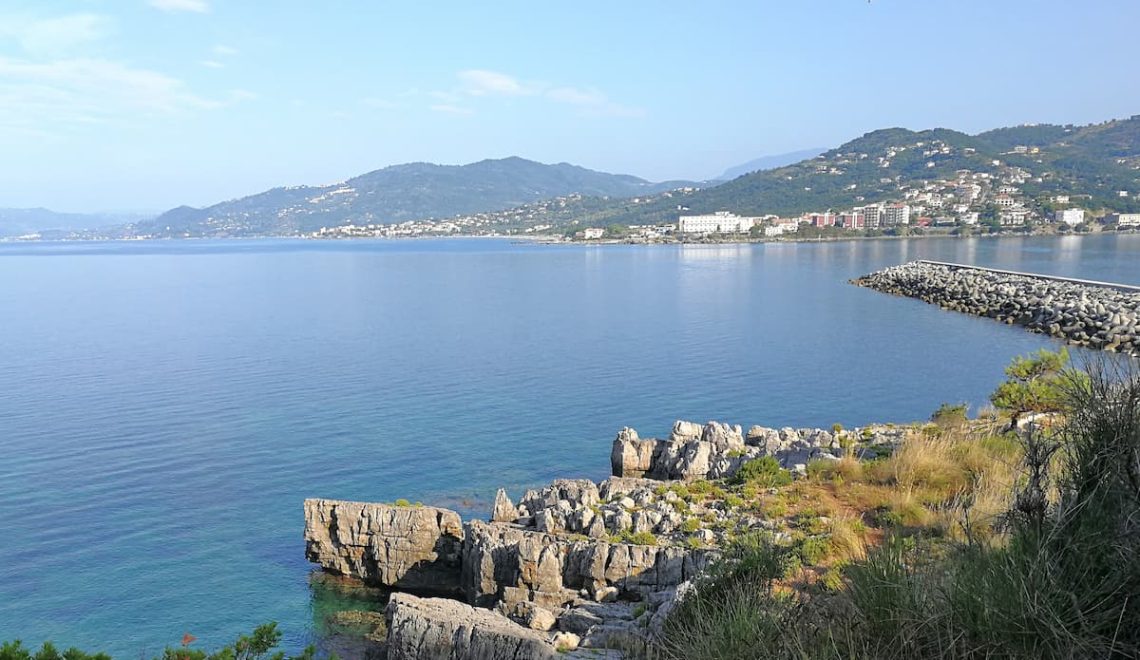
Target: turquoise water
[(165, 407)]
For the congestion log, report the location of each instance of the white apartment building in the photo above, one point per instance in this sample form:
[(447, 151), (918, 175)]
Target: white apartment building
[(591, 233), (782, 227), (1070, 216), (1124, 219), (895, 215), (721, 222), (872, 215)]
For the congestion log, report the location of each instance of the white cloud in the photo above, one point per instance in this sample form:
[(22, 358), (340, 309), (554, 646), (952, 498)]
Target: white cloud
[(213, 64), (592, 102), (485, 83), (197, 6), (480, 82), (59, 35), (222, 50), (447, 108), (74, 92)]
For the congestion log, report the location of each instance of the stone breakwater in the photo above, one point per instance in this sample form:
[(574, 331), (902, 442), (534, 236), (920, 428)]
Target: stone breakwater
[(573, 564), (1083, 314)]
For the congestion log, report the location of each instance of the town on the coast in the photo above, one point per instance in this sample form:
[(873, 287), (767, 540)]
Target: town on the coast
[(1006, 197)]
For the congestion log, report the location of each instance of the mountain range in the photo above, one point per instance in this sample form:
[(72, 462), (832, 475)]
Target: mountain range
[(415, 191), (22, 222), (769, 162), (1098, 164)]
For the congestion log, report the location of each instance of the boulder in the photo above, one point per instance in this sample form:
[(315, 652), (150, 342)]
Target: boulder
[(530, 615), (410, 548), (443, 629)]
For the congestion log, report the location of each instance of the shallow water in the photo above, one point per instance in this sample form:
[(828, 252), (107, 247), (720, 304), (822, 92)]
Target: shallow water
[(165, 407)]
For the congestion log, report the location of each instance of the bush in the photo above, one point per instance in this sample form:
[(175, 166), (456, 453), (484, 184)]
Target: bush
[(950, 415), (813, 549), (255, 646), (640, 538), (764, 472), (734, 612)]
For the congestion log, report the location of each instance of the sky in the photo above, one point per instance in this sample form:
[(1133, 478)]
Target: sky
[(143, 105)]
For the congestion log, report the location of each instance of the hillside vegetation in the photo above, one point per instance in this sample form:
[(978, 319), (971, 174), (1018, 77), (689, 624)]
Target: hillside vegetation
[(1096, 161), (967, 542), (395, 194)]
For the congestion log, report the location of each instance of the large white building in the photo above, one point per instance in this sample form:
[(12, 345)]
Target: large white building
[(721, 222), (872, 215), (1070, 216), (1124, 219), (895, 215)]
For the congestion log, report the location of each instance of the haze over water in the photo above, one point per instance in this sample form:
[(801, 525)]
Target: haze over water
[(165, 407)]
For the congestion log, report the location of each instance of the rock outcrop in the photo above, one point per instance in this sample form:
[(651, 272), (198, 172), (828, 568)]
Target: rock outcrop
[(576, 567), (718, 450), (1082, 314), (505, 564), (444, 629), (410, 548)]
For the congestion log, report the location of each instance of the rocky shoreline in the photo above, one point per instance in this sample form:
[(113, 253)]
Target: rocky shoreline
[(574, 569), (1082, 314)]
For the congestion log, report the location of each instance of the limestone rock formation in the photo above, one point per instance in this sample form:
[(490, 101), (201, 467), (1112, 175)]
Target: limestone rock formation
[(412, 548), (503, 510), (444, 629), (507, 564)]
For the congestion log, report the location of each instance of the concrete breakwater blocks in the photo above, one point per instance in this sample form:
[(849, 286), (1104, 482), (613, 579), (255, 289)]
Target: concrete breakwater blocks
[(1093, 314)]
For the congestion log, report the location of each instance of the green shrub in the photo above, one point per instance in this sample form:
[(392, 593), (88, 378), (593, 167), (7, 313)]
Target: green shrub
[(403, 502), (950, 415), (643, 538), (690, 525), (813, 549), (255, 646), (764, 472)]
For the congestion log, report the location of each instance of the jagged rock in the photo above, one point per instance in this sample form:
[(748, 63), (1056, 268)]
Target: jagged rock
[(684, 431), (631, 456), (545, 522), (597, 528), (619, 486), (413, 548), (502, 562), (578, 621), (530, 615), (723, 437), (576, 493), (438, 628), (503, 511)]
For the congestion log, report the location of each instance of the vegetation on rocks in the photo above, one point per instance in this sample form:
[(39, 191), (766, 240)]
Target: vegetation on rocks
[(969, 541)]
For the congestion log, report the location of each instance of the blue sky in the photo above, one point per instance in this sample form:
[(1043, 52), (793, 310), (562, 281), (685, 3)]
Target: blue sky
[(148, 104)]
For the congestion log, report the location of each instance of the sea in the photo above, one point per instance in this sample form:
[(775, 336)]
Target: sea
[(165, 407)]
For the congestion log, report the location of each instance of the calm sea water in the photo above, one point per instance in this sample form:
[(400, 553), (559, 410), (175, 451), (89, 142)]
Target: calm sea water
[(165, 407)]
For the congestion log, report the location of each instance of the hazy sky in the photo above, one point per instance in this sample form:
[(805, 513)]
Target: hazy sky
[(148, 104)]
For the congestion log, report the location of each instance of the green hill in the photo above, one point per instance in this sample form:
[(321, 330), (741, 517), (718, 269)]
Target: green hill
[(414, 191), (1091, 162)]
